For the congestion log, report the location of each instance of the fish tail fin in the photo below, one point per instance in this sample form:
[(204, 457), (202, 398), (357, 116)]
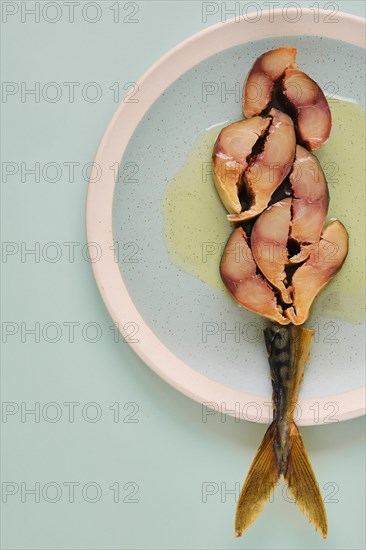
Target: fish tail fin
[(302, 483), (261, 481)]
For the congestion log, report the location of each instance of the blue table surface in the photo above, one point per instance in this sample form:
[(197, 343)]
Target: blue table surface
[(97, 451)]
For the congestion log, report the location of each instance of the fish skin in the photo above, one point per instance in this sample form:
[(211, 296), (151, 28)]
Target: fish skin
[(288, 351), (282, 452)]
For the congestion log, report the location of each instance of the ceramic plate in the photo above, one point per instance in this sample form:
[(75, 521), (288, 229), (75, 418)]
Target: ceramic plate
[(164, 293)]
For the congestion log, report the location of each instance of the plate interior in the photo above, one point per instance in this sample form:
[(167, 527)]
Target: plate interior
[(181, 309)]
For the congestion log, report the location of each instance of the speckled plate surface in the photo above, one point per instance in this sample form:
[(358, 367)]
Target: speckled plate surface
[(191, 333)]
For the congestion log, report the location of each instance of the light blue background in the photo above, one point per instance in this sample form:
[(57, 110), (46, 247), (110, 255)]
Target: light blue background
[(170, 452)]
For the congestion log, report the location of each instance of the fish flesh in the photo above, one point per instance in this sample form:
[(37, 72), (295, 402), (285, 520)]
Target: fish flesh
[(241, 277), (270, 167), (310, 202), (325, 260), (269, 240), (261, 79), (275, 73), (255, 270), (231, 154), (306, 102)]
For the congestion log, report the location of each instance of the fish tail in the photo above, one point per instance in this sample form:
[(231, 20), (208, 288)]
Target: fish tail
[(261, 481), (264, 475), (302, 484), (282, 451)]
